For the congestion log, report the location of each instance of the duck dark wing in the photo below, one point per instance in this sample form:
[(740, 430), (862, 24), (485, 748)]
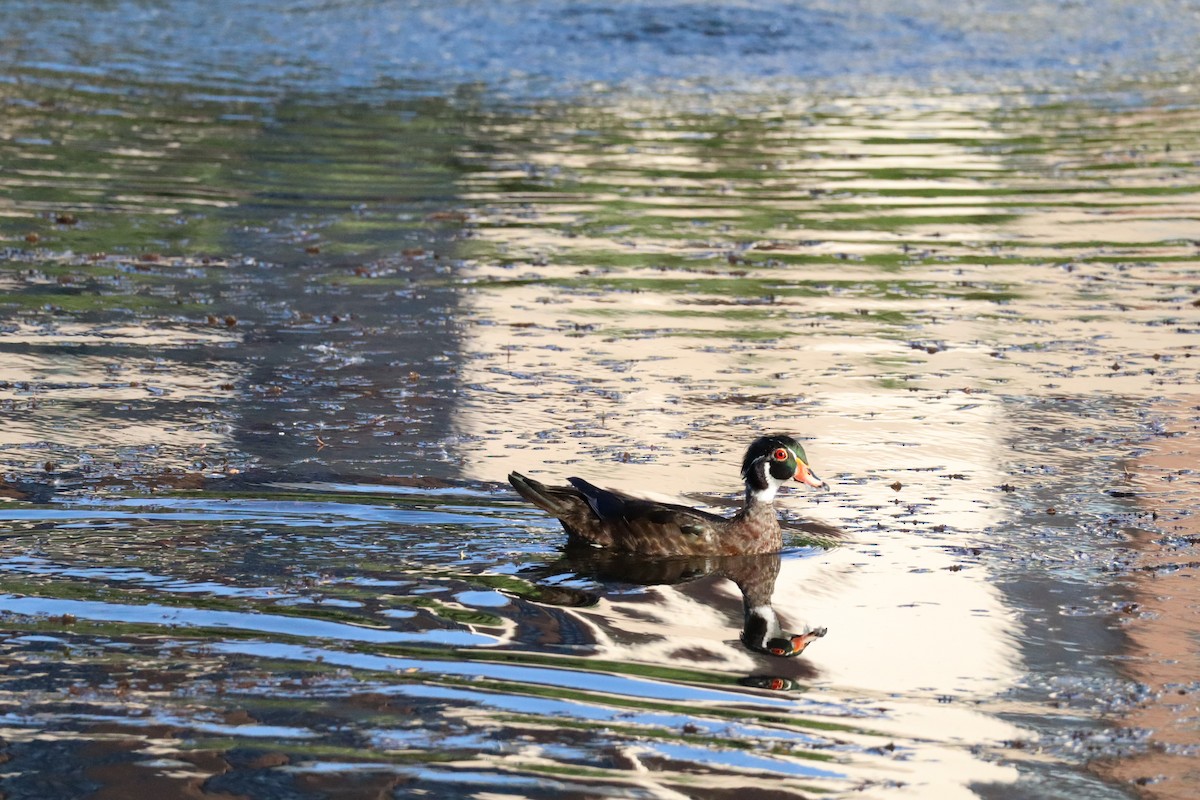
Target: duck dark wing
[(644, 516), (603, 518)]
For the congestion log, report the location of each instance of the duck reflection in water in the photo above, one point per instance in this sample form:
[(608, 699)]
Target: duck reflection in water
[(754, 575)]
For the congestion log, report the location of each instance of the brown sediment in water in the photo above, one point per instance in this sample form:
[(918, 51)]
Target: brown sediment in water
[(1160, 614)]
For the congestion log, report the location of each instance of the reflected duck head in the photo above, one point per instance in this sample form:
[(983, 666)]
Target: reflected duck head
[(762, 633)]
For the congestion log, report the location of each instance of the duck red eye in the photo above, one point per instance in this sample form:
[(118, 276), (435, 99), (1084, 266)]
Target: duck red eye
[(780, 454)]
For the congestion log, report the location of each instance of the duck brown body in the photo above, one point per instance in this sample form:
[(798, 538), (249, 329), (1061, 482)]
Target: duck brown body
[(627, 524)]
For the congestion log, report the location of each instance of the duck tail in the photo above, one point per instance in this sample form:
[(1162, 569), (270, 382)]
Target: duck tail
[(537, 493)]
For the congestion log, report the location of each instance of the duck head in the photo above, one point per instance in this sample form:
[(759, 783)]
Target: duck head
[(771, 461)]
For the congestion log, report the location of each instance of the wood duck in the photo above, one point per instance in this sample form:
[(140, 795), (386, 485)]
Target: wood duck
[(609, 519)]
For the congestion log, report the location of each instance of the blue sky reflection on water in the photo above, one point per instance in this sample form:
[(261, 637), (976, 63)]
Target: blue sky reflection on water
[(614, 684), (256, 48), (182, 617)]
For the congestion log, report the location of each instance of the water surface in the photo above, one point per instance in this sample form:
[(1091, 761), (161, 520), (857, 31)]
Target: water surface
[(274, 333)]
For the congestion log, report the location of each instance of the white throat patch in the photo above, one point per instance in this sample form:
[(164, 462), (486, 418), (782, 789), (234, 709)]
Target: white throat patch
[(766, 495)]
